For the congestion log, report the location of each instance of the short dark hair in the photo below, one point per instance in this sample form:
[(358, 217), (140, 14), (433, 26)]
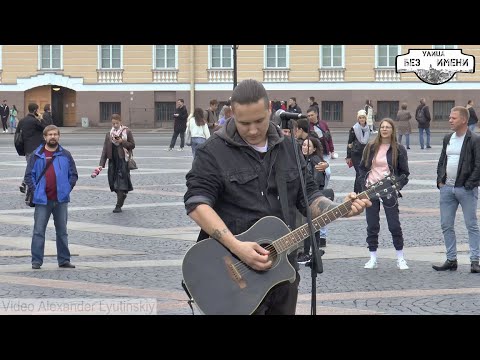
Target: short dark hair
[(32, 107), (312, 108), (303, 124), (249, 91), (46, 107), (116, 117)]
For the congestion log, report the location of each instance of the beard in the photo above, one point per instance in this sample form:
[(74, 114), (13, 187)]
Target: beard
[(52, 143)]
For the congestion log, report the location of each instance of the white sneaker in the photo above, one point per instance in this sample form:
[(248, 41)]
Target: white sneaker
[(402, 264), (371, 264)]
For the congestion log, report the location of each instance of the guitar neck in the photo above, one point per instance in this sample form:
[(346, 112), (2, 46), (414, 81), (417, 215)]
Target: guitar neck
[(295, 238)]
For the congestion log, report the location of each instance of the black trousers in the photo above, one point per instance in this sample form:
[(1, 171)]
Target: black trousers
[(393, 220), (174, 138), (4, 123), (357, 187), (281, 300)]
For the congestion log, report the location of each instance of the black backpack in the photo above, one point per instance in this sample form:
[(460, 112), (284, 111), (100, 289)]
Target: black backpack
[(19, 144)]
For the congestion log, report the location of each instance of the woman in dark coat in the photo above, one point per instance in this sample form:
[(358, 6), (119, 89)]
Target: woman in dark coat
[(357, 139), (118, 143)]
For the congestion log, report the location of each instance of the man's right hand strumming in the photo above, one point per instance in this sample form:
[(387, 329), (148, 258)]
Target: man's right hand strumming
[(252, 254)]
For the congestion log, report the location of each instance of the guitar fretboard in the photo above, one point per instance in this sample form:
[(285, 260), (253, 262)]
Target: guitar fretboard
[(296, 237)]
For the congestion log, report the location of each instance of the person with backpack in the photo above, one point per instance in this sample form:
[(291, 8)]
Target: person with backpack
[(29, 135), (422, 115)]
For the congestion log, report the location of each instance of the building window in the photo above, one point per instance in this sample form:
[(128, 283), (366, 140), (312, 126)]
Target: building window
[(111, 57), (109, 108), (221, 56), (386, 55), (387, 109), (441, 110), (444, 46), (50, 57), (332, 110), (165, 56), (331, 56), (164, 110), (276, 56)]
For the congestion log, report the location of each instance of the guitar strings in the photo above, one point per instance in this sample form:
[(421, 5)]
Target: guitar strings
[(243, 268)]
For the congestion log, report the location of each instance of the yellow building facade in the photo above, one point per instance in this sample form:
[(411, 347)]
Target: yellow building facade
[(85, 84)]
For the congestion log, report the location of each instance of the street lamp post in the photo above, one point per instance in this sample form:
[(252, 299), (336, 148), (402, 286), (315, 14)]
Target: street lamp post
[(234, 47)]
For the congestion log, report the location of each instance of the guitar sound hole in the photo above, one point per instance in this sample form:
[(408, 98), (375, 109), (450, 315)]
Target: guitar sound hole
[(273, 252)]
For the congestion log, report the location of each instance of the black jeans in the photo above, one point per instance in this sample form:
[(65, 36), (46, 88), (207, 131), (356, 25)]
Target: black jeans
[(281, 300), (174, 138), (373, 223)]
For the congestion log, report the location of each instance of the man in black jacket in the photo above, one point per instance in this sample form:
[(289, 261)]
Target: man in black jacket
[(422, 115), (180, 125), (458, 177), (4, 114), (31, 127), (236, 179)]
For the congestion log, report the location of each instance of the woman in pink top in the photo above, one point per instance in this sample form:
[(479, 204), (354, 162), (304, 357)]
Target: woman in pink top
[(384, 155)]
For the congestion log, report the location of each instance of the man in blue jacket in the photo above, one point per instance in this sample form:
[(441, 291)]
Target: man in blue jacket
[(51, 174)]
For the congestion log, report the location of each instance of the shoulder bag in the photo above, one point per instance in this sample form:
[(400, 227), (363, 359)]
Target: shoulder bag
[(132, 164)]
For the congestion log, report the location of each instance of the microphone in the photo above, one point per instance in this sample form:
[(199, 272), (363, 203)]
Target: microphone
[(287, 116), (281, 118)]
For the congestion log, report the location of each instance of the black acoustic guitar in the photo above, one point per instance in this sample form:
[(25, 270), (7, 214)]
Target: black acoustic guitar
[(220, 283)]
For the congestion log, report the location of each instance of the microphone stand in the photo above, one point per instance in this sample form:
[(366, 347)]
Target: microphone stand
[(315, 264)]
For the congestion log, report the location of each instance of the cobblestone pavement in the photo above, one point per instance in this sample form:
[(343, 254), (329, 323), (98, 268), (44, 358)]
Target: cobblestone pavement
[(138, 253)]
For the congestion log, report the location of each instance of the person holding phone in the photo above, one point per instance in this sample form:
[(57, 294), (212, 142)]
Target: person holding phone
[(116, 148)]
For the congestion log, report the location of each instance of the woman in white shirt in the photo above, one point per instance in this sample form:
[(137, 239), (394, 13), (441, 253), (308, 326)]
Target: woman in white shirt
[(197, 129)]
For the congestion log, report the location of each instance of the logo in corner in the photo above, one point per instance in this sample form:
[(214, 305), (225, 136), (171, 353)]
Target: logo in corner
[(435, 66)]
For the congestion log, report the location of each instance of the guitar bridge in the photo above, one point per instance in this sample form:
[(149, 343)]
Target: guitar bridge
[(234, 273)]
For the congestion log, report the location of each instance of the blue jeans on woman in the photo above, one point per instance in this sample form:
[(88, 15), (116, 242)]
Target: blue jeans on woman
[(41, 217), (195, 142), (450, 198)]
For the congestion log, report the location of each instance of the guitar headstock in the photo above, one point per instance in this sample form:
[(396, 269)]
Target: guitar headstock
[(384, 187)]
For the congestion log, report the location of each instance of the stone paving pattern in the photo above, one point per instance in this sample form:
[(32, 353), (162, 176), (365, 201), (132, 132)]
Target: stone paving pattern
[(138, 253)]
